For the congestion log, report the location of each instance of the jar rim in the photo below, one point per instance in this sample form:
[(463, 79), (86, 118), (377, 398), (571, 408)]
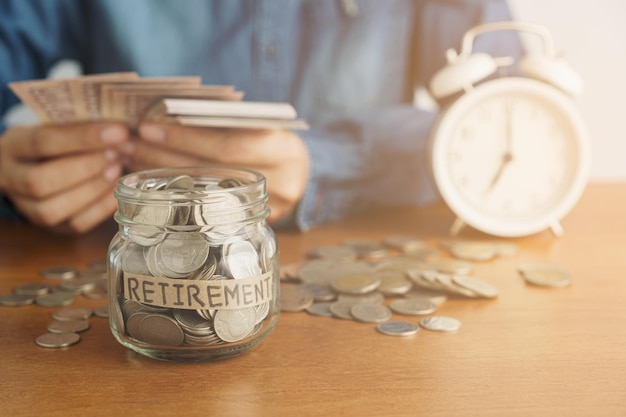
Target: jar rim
[(127, 185)]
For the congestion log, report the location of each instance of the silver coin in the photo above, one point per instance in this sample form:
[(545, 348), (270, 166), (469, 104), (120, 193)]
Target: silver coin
[(262, 311), (320, 292), (33, 288), (15, 300), (152, 215), (440, 323), (146, 235), (182, 253), (294, 298), (72, 313), (234, 325), (412, 306), (57, 340), (181, 182), (68, 326), (342, 309), (130, 307), (192, 322), (132, 260), (207, 270), (316, 271), (340, 269), (289, 272), (81, 283), (397, 328), (161, 330), (370, 313), (473, 251), (447, 281), (435, 297), (403, 264), (223, 211), (60, 272), (152, 262), (454, 266), (545, 275), (241, 259), (482, 288), (372, 297), (356, 283), (101, 311), (133, 324), (98, 292), (55, 299), (229, 183), (393, 282), (366, 249), (403, 243), (320, 309)]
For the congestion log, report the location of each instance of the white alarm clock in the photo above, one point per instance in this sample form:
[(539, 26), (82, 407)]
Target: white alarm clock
[(511, 155)]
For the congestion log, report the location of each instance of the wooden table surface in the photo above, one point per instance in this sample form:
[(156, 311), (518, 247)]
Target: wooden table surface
[(533, 351)]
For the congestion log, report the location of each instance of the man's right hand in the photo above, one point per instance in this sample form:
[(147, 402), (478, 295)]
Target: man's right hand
[(61, 177)]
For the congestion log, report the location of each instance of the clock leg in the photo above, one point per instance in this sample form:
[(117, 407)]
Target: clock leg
[(457, 226), (556, 228)]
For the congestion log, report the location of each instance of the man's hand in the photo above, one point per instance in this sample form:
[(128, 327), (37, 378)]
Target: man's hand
[(62, 177), (280, 155)]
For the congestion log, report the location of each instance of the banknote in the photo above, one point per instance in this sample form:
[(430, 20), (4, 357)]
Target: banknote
[(130, 98)]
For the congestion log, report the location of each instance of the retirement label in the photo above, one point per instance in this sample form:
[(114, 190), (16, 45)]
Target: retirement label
[(219, 294)]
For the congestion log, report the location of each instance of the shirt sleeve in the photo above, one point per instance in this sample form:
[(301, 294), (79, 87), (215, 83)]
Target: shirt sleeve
[(379, 157), (371, 159), (34, 35)]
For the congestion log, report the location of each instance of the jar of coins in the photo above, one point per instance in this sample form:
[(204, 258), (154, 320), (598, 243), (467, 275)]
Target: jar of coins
[(193, 269)]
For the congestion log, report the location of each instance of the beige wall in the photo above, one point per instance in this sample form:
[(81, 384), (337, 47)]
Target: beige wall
[(592, 34)]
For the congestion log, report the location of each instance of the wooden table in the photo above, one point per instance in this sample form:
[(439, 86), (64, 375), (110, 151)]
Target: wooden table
[(533, 351)]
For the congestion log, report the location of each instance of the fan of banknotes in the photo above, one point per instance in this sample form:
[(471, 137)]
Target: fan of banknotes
[(126, 97)]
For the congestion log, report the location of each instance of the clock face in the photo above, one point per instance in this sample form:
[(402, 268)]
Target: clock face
[(511, 156)]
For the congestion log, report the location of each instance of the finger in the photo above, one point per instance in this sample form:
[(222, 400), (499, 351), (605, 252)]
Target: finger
[(92, 215), (227, 146), (148, 156), (56, 175), (60, 207), (284, 190), (48, 141)]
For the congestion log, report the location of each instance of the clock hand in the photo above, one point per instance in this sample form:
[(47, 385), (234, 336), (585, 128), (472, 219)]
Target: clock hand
[(508, 153), (506, 159)]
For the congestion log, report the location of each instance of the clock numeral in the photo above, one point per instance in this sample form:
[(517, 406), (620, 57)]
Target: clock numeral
[(455, 156), (467, 133)]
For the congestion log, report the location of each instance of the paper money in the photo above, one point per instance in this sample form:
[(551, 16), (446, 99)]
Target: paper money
[(128, 98)]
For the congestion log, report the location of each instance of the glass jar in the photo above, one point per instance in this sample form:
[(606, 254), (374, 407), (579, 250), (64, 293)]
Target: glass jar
[(194, 268)]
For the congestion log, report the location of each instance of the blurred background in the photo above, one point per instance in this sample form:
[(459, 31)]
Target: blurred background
[(592, 36)]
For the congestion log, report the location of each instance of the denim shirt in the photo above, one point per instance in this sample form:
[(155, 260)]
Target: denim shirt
[(349, 67)]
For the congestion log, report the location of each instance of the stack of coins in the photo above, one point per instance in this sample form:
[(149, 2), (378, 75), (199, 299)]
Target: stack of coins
[(67, 323)]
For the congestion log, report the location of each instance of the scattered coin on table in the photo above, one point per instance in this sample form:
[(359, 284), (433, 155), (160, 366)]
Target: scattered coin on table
[(397, 328), (57, 340)]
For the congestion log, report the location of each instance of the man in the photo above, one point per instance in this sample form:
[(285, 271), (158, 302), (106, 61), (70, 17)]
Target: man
[(349, 67)]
